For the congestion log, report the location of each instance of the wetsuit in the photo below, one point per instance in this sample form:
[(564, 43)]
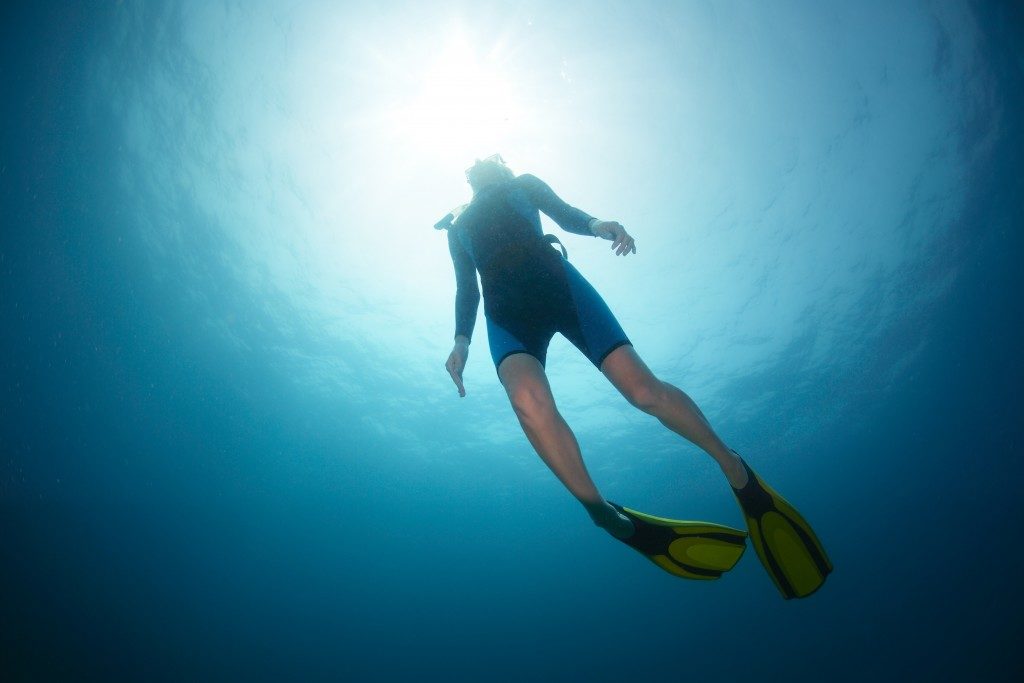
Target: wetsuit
[(530, 291)]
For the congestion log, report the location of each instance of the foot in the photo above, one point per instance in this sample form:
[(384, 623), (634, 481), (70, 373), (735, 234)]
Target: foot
[(610, 519)]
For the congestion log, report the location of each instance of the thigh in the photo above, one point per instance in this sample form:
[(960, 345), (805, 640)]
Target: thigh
[(522, 375)]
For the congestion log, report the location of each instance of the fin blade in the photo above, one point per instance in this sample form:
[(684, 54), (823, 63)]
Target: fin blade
[(690, 550), (706, 553), (802, 573), (786, 544), (682, 571)]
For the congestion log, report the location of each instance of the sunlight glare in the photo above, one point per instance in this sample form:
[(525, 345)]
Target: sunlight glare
[(462, 106)]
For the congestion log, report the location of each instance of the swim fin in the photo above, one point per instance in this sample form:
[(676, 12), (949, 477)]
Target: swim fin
[(789, 550), (691, 550)]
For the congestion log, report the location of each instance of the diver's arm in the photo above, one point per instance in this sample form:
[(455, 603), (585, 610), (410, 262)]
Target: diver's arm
[(467, 301), (467, 292), (569, 218)]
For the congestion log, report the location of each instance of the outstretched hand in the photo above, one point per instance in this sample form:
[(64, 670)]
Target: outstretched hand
[(622, 242), (456, 363)]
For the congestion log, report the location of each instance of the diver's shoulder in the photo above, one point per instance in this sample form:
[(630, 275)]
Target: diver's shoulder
[(530, 182)]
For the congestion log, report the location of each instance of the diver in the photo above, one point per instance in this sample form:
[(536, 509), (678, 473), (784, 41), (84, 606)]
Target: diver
[(531, 291)]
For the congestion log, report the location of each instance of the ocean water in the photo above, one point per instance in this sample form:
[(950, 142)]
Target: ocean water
[(229, 450)]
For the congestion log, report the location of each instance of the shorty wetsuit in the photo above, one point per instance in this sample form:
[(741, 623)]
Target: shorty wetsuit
[(530, 291)]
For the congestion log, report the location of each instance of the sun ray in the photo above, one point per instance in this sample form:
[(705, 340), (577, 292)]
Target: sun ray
[(462, 104)]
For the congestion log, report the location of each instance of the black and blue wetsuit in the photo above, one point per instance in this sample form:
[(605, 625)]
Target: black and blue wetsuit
[(530, 291)]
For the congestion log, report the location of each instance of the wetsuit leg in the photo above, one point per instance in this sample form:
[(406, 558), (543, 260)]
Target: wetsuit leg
[(590, 325), (531, 339)]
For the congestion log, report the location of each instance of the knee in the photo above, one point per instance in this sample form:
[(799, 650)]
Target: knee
[(647, 395), (531, 403)]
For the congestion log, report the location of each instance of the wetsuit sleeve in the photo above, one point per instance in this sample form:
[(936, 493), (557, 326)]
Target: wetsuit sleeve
[(467, 292), (569, 218)]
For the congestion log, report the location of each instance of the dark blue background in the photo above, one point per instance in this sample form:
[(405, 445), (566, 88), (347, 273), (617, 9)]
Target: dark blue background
[(145, 534)]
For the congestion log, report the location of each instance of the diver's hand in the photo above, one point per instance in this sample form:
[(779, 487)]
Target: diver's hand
[(622, 242), (457, 362)]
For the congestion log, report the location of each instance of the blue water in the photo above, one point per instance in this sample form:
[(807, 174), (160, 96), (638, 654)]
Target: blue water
[(229, 449)]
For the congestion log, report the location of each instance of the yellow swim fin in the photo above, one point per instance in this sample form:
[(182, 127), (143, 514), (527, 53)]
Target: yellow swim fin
[(788, 547), (690, 550)]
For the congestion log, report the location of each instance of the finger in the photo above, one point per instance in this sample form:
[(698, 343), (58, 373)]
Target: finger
[(457, 378), (458, 382)]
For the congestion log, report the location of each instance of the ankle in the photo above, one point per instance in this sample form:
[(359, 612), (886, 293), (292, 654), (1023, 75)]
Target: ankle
[(734, 469), (610, 519)]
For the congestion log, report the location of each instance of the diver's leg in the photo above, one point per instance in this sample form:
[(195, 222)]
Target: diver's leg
[(677, 411), (530, 394)]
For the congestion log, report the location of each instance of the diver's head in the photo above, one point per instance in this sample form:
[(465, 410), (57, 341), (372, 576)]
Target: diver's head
[(486, 172)]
